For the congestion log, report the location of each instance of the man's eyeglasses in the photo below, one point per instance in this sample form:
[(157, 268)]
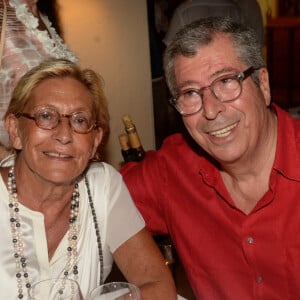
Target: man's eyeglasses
[(226, 88), (48, 118)]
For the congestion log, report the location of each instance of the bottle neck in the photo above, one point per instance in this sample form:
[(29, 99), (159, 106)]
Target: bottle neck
[(124, 142), (134, 140)]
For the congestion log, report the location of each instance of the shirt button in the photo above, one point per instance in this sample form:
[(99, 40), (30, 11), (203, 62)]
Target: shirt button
[(250, 240), (259, 279)]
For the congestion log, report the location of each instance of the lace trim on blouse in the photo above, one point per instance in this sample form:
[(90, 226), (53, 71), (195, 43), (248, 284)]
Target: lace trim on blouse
[(53, 44)]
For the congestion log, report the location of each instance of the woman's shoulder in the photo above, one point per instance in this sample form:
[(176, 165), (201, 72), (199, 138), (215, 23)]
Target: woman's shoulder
[(101, 171), (100, 167)]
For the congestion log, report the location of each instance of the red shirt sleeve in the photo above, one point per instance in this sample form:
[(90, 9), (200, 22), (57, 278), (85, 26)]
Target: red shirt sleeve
[(140, 179)]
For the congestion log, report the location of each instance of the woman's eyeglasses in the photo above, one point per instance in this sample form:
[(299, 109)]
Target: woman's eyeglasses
[(48, 118)]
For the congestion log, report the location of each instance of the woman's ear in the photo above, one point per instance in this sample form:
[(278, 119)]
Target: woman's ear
[(265, 85), (11, 124)]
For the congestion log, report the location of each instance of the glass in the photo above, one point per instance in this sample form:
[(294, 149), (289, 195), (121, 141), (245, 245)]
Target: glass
[(55, 289), (116, 291), (226, 88), (48, 118)]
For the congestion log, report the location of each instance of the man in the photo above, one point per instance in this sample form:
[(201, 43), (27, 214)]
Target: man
[(229, 200)]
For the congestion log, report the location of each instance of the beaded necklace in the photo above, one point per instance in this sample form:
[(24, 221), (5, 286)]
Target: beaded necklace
[(97, 229), (22, 276)]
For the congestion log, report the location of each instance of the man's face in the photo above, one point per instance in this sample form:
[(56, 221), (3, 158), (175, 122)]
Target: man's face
[(227, 131)]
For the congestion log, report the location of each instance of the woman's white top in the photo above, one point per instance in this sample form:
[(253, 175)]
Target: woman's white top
[(118, 220)]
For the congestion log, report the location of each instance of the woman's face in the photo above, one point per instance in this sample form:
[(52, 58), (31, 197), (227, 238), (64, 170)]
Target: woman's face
[(59, 154)]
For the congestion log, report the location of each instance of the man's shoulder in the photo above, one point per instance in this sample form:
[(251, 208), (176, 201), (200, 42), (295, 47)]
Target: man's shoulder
[(181, 145), (178, 141), (176, 138), (296, 123), (288, 125)]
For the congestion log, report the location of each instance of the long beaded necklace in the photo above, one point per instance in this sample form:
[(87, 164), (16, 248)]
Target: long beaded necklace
[(17, 236), (97, 229)]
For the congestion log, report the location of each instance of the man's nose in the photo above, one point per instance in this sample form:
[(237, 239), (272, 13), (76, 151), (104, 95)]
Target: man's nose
[(211, 105)]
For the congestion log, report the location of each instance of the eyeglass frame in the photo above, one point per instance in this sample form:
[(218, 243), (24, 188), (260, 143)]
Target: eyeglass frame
[(68, 116), (241, 76)]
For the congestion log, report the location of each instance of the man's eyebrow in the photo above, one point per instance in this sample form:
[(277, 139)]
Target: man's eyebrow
[(222, 71), (187, 82)]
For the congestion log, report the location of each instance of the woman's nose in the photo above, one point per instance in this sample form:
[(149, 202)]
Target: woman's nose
[(63, 131)]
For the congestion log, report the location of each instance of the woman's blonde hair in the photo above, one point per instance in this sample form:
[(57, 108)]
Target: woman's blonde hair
[(60, 68)]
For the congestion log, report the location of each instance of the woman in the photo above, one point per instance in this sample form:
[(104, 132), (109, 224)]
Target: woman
[(56, 204), (27, 38)]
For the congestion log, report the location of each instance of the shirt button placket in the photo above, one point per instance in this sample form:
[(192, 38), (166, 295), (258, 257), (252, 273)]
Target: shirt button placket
[(250, 241)]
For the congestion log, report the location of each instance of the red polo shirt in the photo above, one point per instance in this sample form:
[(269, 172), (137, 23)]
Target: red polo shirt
[(226, 254)]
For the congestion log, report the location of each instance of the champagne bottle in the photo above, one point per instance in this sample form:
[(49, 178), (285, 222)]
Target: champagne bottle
[(127, 152), (134, 139)]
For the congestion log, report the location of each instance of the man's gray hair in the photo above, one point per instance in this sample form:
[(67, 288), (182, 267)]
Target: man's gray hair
[(201, 33)]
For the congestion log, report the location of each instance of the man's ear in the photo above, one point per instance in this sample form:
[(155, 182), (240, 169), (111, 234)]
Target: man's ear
[(265, 85), (12, 126)]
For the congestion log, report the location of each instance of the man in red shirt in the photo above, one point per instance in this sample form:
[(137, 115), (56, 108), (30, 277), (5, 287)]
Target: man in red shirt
[(228, 192)]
